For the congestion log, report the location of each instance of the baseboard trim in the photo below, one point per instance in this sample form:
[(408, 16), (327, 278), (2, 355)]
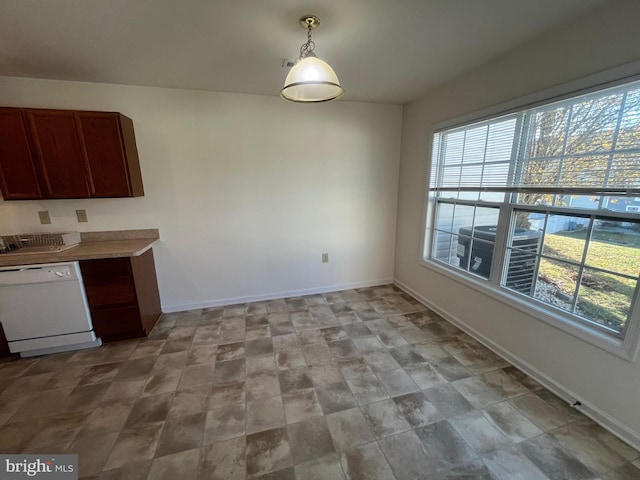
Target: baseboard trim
[(273, 296), (605, 420)]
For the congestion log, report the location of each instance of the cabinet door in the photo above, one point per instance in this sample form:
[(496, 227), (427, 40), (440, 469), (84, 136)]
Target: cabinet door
[(112, 298), (59, 153), (104, 150), (144, 276), (123, 296), (121, 323), (18, 178), (108, 282)]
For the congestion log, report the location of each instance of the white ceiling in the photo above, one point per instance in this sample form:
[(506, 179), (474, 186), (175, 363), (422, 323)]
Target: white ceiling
[(386, 51)]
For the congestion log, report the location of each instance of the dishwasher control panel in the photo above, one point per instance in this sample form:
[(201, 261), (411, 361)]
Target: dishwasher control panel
[(25, 274)]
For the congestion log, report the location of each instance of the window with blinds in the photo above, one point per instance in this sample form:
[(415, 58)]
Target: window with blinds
[(545, 203)]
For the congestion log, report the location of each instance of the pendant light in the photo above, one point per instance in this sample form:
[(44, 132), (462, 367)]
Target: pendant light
[(311, 80)]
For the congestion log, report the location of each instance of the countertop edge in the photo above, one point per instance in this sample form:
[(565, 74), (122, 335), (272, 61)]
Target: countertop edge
[(92, 250), (110, 235)]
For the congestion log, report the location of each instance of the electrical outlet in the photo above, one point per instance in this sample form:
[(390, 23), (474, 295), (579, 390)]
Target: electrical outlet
[(82, 216), (325, 258), (45, 219)]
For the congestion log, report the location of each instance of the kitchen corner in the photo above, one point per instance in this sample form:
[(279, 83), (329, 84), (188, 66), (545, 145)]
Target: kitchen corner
[(115, 298)]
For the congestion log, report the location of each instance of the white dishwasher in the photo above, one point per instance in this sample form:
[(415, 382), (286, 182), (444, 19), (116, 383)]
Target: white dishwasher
[(43, 309)]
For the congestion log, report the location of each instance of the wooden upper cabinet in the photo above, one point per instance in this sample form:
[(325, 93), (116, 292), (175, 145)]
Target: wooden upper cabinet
[(18, 177), (67, 154), (59, 153), (109, 146)]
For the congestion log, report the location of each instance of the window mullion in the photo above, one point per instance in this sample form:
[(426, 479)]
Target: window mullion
[(520, 146), (505, 216), (634, 310), (580, 212), (536, 268), (442, 152), (462, 154), (582, 262), (500, 245), (439, 174), (564, 151), (614, 145)]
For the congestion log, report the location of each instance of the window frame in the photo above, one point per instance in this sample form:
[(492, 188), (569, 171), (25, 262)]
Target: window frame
[(626, 344)]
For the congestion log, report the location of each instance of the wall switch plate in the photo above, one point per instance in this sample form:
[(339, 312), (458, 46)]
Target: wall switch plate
[(325, 258), (44, 217), (82, 216)]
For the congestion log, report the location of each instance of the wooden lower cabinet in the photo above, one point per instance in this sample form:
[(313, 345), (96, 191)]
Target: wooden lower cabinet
[(123, 296)]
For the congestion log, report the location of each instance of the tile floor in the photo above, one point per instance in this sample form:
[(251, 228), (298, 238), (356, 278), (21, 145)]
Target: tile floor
[(362, 384)]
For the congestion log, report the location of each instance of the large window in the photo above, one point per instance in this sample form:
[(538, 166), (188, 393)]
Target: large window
[(544, 205)]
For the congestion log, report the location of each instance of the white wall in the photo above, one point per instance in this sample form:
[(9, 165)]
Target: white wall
[(609, 385), (247, 190)]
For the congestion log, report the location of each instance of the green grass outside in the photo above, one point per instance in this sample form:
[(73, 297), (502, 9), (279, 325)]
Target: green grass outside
[(604, 298)]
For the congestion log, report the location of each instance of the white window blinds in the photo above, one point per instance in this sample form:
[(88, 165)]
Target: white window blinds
[(589, 144)]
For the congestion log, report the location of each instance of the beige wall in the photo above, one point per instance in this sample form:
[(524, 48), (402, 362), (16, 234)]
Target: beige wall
[(247, 190), (609, 385)]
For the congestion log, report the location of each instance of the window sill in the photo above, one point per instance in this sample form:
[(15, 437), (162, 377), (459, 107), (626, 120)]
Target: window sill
[(626, 348)]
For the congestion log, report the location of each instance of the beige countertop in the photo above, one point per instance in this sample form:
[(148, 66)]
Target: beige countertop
[(94, 245)]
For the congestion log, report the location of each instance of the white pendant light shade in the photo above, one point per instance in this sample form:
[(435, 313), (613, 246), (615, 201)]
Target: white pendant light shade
[(311, 80)]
